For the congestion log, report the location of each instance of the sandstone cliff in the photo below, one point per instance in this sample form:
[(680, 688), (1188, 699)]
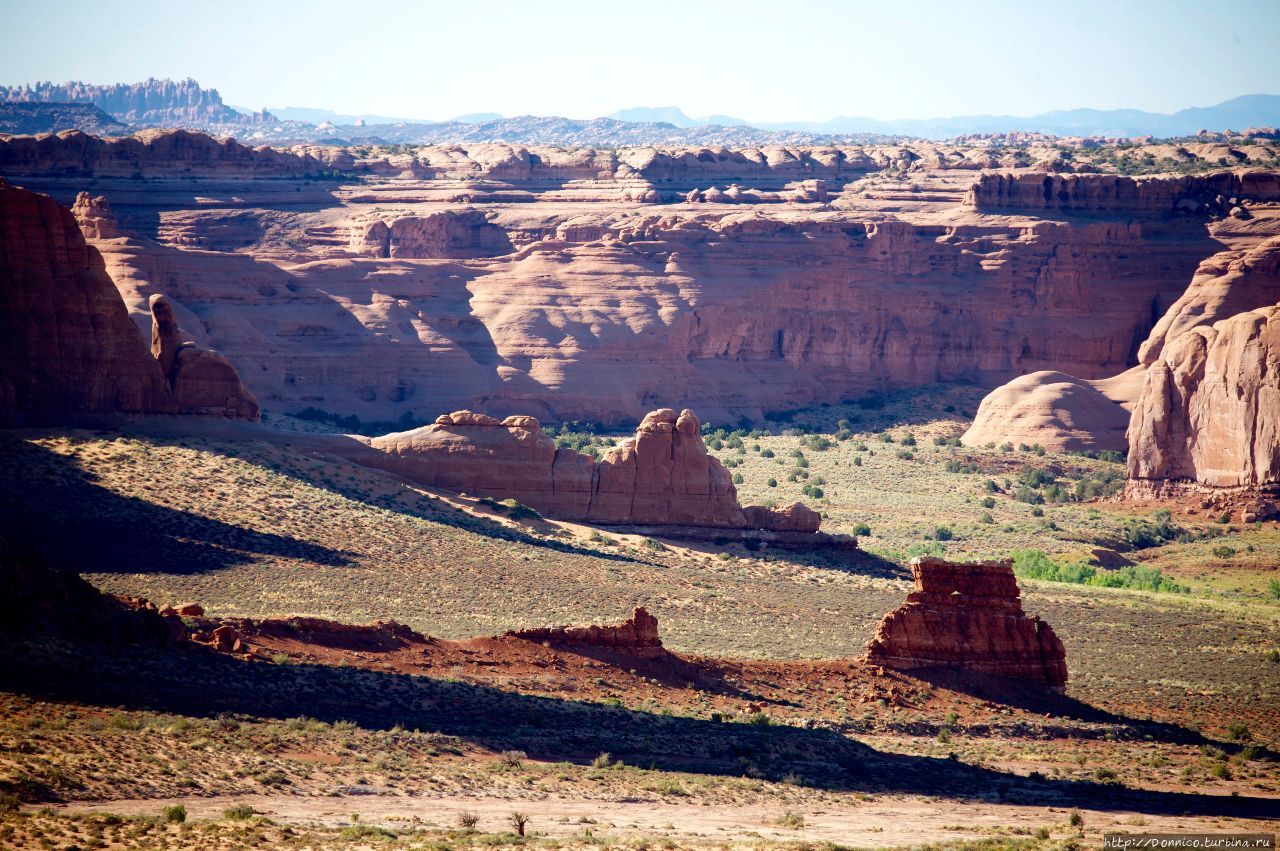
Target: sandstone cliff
[(68, 350), (67, 347), (968, 617), (1209, 412), (1110, 193), (662, 476)]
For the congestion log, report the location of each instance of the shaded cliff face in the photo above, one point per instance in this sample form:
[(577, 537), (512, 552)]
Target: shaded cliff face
[(1210, 408), (67, 347)]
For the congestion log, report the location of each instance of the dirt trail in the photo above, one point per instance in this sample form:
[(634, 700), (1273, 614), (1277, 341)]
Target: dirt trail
[(883, 821)]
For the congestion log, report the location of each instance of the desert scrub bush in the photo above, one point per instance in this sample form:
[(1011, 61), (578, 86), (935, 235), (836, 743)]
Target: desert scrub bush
[(862, 529), (602, 760), (175, 814), (943, 533), (512, 759), (468, 820), (791, 820), (1273, 588), (1034, 564), (240, 812), (366, 831), (651, 544), (519, 821)]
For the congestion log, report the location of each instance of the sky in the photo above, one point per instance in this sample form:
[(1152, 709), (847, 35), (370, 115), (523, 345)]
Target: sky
[(758, 61)]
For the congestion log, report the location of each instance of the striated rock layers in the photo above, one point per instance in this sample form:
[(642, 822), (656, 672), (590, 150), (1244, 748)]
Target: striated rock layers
[(68, 349), (662, 476), (1209, 412), (636, 636), (968, 617), (1110, 193)]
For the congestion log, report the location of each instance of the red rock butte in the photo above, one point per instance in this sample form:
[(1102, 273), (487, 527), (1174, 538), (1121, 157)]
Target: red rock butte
[(968, 617)]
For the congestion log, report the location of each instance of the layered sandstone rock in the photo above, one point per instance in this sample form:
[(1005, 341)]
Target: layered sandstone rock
[(636, 636), (1110, 193), (167, 103), (94, 216), (663, 476), (448, 234), (1060, 412), (968, 617), (1209, 412), (67, 347), (1225, 284), (203, 381), (149, 153)]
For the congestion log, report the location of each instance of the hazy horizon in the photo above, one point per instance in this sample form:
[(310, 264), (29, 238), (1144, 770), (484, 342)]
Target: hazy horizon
[(580, 60)]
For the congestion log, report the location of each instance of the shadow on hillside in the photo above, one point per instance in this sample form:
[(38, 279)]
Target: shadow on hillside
[(1031, 698), (199, 683), (55, 506)]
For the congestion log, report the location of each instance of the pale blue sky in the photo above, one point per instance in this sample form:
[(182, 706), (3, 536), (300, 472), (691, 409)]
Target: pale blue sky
[(761, 61)]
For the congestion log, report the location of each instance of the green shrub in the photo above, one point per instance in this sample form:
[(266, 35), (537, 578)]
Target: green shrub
[(943, 533), (176, 814), (861, 529), (240, 812)]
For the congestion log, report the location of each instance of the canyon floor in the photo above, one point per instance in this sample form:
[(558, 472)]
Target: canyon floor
[(758, 729)]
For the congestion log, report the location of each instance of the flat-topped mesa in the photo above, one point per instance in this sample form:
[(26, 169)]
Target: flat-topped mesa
[(1221, 192), (968, 616), (636, 636), (662, 476)]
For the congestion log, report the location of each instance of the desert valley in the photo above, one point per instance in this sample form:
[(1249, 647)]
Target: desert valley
[(532, 482)]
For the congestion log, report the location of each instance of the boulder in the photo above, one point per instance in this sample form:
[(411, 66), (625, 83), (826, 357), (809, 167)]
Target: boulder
[(796, 517), (968, 616)]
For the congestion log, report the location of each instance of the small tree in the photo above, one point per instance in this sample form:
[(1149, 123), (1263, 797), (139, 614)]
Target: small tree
[(518, 822)]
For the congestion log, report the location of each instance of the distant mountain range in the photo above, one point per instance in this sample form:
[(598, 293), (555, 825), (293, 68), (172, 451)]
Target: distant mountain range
[(1235, 114), (186, 104)]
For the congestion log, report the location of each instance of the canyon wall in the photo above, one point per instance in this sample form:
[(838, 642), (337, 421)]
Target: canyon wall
[(68, 350), (165, 103)]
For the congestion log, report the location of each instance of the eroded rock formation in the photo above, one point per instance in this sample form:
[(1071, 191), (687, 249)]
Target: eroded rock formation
[(968, 617), (203, 381), (661, 476), (1111, 193), (1209, 412), (1060, 412), (167, 103), (636, 636), (67, 347), (68, 350)]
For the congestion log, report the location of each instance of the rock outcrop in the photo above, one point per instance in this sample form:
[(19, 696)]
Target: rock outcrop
[(203, 381), (456, 234), (1209, 413), (1111, 193), (662, 476), (1060, 412), (67, 346), (968, 617), (68, 350), (636, 636)]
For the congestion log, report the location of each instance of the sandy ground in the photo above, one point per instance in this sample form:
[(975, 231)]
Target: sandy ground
[(883, 821)]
